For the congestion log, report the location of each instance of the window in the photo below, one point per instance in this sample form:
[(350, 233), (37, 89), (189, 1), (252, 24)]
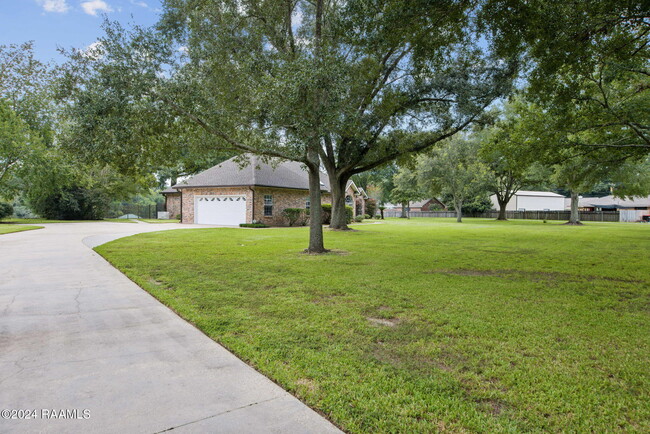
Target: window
[(307, 203), (268, 205), (348, 200)]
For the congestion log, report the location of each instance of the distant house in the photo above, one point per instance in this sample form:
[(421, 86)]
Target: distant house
[(356, 198), (417, 206), (427, 205), (229, 194), (532, 201), (611, 203)]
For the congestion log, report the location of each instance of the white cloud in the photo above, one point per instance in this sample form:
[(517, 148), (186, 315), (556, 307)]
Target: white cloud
[(139, 3), (59, 6), (92, 7), (94, 51)]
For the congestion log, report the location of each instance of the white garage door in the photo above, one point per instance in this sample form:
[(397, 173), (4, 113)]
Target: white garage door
[(220, 210)]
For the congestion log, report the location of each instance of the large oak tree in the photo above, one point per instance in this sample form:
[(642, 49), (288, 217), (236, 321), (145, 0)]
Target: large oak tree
[(337, 82)]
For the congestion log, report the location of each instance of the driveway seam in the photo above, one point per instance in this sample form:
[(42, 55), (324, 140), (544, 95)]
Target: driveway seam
[(219, 414)]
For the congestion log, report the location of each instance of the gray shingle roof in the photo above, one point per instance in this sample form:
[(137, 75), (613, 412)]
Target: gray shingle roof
[(169, 190), (615, 202), (230, 173)]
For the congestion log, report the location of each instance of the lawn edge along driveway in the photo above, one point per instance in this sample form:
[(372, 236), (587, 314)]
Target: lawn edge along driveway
[(10, 229)]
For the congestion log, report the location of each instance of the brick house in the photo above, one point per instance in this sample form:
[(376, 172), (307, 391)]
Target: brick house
[(356, 198), (172, 202), (232, 192), (418, 206)]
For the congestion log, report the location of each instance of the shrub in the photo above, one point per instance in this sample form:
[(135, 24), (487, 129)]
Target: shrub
[(327, 213), (358, 219), (6, 210), (253, 225), (366, 217), (371, 206), (74, 203), (293, 215), (348, 214)]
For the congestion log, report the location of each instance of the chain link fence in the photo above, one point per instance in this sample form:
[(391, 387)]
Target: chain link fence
[(135, 210)]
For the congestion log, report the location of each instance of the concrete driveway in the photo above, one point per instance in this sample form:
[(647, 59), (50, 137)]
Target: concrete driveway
[(77, 335)]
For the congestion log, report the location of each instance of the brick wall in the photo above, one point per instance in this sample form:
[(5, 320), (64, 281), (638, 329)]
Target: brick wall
[(356, 200), (173, 204), (282, 198)]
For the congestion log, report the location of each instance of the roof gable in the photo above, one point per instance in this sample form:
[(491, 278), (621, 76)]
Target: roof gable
[(254, 172)]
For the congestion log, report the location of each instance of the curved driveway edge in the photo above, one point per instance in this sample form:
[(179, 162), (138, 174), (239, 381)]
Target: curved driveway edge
[(77, 335)]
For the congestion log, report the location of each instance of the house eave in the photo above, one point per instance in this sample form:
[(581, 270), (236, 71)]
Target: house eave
[(245, 186)]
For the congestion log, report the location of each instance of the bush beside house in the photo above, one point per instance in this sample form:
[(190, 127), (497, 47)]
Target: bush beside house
[(294, 215), (6, 210), (76, 203)]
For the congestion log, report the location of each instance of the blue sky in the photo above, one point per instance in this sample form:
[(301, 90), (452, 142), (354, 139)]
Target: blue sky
[(67, 23)]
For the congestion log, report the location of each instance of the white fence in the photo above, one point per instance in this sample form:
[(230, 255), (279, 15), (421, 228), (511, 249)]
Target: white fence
[(587, 216), (632, 215)]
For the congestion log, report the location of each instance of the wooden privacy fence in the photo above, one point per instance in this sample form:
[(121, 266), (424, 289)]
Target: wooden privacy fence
[(587, 216)]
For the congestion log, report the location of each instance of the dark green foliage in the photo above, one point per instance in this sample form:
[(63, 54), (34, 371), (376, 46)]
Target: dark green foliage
[(293, 215), (349, 213), (73, 203), (253, 225), (6, 209), (478, 205), (327, 213), (371, 206)]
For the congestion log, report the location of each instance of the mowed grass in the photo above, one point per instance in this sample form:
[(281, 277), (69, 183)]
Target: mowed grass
[(425, 325), (8, 229)]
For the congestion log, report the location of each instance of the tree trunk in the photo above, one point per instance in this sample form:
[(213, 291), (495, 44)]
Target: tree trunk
[(381, 211), (502, 209), (404, 211), (316, 244), (339, 218), (574, 219), (459, 212)]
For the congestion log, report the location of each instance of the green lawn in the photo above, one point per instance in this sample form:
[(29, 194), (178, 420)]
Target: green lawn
[(160, 220), (7, 229), (425, 325), (42, 221)]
